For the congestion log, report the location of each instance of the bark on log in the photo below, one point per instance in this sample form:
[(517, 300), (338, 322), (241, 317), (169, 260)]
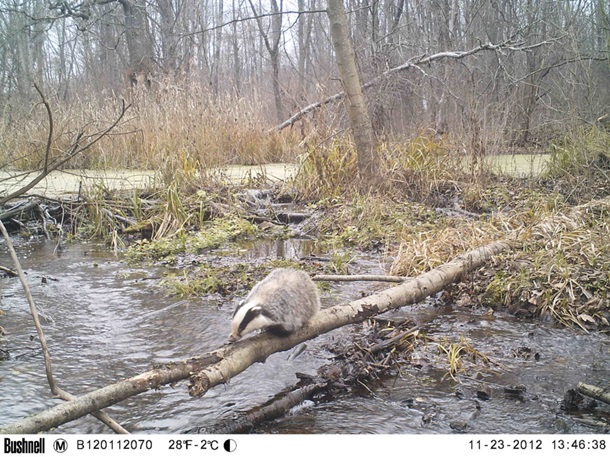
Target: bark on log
[(226, 362), (598, 393)]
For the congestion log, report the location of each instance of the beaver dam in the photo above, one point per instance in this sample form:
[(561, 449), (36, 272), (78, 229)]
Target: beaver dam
[(501, 348)]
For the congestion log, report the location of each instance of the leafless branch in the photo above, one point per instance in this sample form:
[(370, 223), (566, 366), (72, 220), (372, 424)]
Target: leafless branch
[(50, 135), (55, 389), (414, 62), (75, 149), (256, 17), (364, 278)]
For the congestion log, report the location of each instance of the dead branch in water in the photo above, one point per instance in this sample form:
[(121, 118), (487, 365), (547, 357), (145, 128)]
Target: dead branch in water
[(228, 361), (7, 271), (275, 408), (55, 389), (598, 393)]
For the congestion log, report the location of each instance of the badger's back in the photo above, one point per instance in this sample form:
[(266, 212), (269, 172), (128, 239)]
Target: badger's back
[(282, 303), (289, 297)]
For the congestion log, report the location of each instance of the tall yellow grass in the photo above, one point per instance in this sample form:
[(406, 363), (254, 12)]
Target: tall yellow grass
[(173, 128)]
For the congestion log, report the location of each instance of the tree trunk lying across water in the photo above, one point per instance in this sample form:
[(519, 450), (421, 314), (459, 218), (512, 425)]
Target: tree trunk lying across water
[(226, 362), (594, 392)]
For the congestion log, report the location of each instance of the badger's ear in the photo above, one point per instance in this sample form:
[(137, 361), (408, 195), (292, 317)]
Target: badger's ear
[(256, 310), (239, 305)]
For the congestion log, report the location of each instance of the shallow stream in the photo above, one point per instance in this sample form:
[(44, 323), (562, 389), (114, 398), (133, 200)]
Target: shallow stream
[(105, 320)]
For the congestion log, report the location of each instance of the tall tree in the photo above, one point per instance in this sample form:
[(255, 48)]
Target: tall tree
[(272, 42), (359, 119), (169, 38), (139, 41)]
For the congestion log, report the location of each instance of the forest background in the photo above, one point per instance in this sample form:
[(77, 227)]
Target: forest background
[(208, 80)]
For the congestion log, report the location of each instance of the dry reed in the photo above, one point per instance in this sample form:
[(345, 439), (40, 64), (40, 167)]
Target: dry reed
[(171, 129)]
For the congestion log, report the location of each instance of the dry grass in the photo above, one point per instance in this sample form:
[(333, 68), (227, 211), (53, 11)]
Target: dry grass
[(579, 151), (173, 129), (422, 251), (563, 271), (328, 170)]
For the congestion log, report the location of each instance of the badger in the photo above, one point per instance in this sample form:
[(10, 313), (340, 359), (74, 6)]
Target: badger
[(281, 303)]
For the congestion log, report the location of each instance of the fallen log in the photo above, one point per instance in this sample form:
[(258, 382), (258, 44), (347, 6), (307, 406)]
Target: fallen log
[(598, 393), (226, 362), (18, 209), (273, 409)]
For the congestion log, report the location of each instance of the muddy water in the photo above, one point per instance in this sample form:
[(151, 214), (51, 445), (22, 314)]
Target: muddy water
[(105, 320)]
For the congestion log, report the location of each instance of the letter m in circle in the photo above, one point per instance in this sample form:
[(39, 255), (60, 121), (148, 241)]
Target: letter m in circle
[(60, 445)]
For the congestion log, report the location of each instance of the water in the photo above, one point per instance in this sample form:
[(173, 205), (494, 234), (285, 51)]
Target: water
[(106, 320)]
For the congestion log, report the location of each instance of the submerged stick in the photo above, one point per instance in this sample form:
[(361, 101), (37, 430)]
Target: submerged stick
[(228, 361), (7, 271), (277, 407)]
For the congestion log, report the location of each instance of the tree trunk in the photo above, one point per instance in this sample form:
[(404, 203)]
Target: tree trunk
[(303, 45), (272, 44), (169, 39), (139, 42), (228, 361), (360, 122), (236, 58), (216, 64)]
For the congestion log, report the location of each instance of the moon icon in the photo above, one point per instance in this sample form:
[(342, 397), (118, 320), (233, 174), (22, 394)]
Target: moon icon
[(230, 445)]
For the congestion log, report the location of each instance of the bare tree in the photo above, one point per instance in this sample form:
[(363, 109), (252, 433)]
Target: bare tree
[(360, 122), (272, 42)]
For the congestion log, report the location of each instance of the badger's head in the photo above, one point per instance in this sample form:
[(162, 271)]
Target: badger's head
[(248, 317)]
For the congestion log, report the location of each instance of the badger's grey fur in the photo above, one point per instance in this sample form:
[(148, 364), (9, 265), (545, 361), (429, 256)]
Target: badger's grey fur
[(281, 303)]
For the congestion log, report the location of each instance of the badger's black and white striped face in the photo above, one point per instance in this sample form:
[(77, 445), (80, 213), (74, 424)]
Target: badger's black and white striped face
[(247, 318)]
